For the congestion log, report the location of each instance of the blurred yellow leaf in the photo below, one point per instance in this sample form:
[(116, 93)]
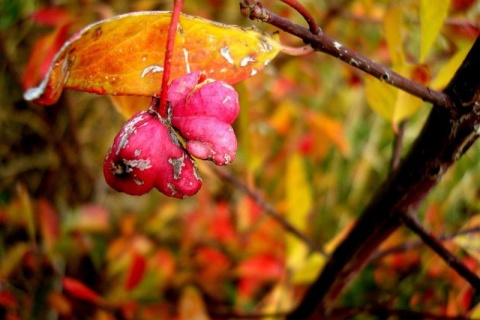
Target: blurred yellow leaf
[(475, 312), (432, 16), (307, 270), (446, 73), (299, 205), (280, 299), (191, 305), (394, 29), (391, 103), (12, 259)]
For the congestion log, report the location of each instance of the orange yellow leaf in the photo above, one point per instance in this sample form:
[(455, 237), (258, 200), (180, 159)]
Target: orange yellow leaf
[(329, 129), (124, 55)]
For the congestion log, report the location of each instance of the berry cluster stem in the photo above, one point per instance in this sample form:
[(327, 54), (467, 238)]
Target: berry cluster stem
[(172, 30)]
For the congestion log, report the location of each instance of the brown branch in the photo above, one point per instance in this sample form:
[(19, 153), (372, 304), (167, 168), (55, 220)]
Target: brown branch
[(323, 43), (457, 265), (451, 128), (445, 137), (406, 246)]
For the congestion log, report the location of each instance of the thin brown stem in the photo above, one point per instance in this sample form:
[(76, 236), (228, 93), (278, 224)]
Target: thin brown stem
[(323, 43), (406, 246), (314, 28), (268, 208), (412, 223)]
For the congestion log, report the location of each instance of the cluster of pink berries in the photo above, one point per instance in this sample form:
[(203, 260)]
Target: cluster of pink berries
[(148, 151)]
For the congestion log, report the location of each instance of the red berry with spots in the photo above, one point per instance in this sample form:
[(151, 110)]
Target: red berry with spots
[(144, 155)]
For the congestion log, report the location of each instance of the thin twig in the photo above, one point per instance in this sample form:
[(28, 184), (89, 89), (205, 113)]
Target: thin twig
[(314, 28), (323, 43), (412, 223), (406, 246), (268, 208)]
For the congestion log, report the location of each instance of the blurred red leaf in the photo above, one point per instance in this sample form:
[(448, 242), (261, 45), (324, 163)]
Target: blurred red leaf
[(52, 16), (7, 300), (136, 271), (42, 55), (221, 227), (262, 267), (80, 291), (124, 55), (246, 288), (306, 143), (212, 262)]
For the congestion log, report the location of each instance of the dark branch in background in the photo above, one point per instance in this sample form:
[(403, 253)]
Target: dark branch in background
[(416, 244), (412, 223), (451, 128), (268, 208), (323, 43)]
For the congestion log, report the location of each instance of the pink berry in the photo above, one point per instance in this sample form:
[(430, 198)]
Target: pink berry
[(178, 176), (208, 138), (180, 87), (143, 156), (215, 99), (130, 165)]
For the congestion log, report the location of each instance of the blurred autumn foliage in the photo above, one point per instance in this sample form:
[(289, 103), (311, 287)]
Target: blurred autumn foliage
[(315, 138)]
